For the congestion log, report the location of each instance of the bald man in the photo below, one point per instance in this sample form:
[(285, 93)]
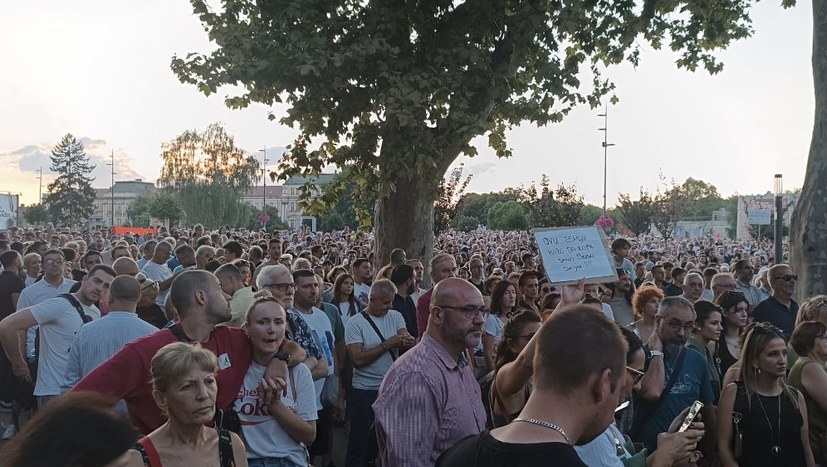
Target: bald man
[(431, 386), (123, 266), (95, 342)]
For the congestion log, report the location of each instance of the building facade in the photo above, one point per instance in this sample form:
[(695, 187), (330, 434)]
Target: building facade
[(122, 195)]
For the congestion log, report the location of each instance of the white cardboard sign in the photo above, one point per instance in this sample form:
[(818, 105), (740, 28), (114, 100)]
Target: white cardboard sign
[(572, 253)]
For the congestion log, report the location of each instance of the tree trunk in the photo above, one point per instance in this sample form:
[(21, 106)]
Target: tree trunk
[(808, 239), (405, 219)]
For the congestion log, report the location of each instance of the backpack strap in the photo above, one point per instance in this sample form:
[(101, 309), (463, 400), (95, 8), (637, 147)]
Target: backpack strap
[(225, 449), (148, 452), (75, 303), (378, 333)]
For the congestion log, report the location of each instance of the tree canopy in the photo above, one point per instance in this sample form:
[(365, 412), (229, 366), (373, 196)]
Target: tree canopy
[(71, 197), (397, 90)]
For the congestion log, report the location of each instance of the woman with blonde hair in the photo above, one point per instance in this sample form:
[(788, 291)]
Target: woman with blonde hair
[(761, 420), (185, 389)]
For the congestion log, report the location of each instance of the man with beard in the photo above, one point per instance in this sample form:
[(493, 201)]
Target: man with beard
[(573, 400), (780, 309), (743, 282), (405, 282), (201, 305), (622, 299), (429, 398), (675, 377)]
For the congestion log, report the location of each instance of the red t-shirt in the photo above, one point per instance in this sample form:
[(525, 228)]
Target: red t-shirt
[(423, 309), (127, 374)]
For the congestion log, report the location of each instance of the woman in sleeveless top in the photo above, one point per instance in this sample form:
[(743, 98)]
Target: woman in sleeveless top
[(184, 387), (762, 422), (808, 375), (645, 304), (734, 306), (276, 427), (513, 376), (708, 331), (503, 301)]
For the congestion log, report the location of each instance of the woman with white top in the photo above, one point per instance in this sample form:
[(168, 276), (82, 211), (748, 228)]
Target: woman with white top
[(276, 427), (503, 300), (344, 298)]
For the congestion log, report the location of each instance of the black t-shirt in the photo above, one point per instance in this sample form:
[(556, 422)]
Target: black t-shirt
[(484, 451), (10, 283)]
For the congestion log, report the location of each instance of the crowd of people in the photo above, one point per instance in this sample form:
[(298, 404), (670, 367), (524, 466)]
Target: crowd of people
[(236, 347)]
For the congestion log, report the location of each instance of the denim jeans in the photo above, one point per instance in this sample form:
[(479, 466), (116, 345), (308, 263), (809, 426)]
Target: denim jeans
[(362, 444), (271, 462)]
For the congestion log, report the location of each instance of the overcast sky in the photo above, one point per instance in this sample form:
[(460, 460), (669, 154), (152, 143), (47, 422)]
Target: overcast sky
[(100, 70)]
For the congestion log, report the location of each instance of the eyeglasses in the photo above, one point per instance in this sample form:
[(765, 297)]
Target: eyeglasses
[(637, 373), (788, 277), (51, 262), (284, 287), (676, 326), (469, 311)]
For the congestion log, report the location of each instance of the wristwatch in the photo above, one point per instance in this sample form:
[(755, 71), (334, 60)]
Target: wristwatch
[(656, 353), (283, 356)]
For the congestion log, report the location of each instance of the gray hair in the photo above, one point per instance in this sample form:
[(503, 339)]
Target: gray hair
[(692, 274), (268, 272), (674, 302), (716, 279), (382, 285)]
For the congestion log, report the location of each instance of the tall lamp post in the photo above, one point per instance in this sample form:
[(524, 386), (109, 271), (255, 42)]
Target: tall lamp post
[(606, 145), (112, 189), (264, 192), (779, 219)]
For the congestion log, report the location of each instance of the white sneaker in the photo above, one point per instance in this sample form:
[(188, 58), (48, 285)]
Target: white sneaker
[(11, 430)]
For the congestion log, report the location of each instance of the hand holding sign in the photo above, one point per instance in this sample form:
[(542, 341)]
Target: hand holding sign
[(572, 253)]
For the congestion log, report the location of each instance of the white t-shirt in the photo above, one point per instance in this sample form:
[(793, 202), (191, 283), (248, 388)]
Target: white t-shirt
[(264, 437), (494, 326), (319, 325), (359, 331), (362, 293), (59, 321), (158, 273), (344, 312)]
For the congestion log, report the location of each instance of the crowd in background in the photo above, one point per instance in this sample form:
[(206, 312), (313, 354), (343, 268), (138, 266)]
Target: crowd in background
[(236, 346)]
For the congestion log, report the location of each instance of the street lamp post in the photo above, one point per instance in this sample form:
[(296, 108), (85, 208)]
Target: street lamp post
[(779, 219), (606, 145), (112, 189), (264, 192)]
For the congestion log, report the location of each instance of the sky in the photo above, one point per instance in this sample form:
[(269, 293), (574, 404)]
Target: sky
[(101, 71)]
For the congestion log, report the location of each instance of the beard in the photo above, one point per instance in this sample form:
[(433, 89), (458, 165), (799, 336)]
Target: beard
[(672, 347)]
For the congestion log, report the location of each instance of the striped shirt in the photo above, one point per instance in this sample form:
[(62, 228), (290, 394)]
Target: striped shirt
[(427, 402), (95, 342)]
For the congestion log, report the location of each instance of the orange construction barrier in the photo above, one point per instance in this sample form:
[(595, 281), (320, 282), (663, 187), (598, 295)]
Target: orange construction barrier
[(121, 230)]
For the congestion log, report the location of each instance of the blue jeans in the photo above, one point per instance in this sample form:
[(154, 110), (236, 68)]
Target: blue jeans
[(271, 462), (362, 444)]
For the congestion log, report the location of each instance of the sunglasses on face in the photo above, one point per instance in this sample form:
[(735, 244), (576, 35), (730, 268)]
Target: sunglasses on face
[(788, 277)]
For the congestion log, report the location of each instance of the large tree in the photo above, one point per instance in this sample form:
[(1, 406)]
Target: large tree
[(808, 233), (636, 215), (397, 90), (209, 176), (71, 197)]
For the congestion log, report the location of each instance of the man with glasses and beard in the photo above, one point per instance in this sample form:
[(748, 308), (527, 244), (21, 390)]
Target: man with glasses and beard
[(780, 309), (675, 377)]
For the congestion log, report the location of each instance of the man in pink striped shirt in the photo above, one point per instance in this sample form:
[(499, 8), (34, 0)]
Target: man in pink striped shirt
[(429, 398)]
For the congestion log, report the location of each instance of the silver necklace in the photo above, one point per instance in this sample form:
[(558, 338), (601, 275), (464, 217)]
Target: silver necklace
[(775, 450), (544, 424)]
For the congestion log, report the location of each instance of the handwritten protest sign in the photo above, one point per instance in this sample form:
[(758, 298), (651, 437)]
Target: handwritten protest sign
[(572, 253)]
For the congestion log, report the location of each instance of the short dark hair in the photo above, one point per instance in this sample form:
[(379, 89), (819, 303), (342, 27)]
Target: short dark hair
[(300, 273), (677, 271), (228, 269), (102, 267), (619, 243), (566, 346), (358, 262), (7, 258), (69, 254), (401, 274), (703, 309), (185, 285), (526, 275), (233, 247)]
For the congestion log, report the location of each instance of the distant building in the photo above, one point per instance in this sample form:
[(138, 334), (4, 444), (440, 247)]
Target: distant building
[(124, 194), (760, 210), (288, 204)]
